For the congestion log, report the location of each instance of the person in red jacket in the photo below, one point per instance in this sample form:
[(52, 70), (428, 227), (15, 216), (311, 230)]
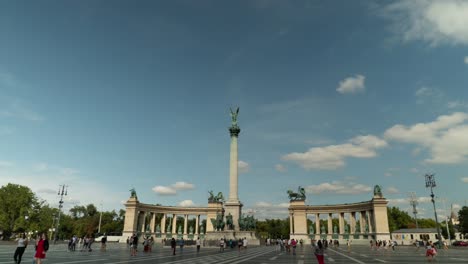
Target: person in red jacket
[(42, 245)]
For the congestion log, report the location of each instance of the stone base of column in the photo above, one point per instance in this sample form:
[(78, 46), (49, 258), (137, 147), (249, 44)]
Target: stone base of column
[(235, 209)]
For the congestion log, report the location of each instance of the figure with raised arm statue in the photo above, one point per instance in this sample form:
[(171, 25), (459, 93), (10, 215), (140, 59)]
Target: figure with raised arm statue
[(234, 116)]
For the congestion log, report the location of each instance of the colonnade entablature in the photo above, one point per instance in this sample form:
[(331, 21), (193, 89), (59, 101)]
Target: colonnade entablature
[(350, 221)]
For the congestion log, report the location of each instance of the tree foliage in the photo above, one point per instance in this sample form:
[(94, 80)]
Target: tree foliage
[(16, 202), (21, 211), (463, 218)]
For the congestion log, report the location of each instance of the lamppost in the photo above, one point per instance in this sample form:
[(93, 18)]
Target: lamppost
[(63, 191), (430, 183)]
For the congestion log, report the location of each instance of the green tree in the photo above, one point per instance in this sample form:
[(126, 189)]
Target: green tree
[(463, 218), (15, 203), (398, 219), (451, 230)]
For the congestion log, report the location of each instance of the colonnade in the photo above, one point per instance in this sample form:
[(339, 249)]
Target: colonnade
[(142, 219), (372, 217)]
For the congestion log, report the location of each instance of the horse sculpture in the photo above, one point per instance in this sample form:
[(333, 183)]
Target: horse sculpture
[(215, 198), (299, 196)]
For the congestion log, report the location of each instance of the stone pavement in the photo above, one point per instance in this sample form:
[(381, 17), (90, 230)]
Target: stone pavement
[(118, 253)]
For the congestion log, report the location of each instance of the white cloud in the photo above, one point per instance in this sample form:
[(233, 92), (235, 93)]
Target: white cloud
[(352, 84), (243, 166), (445, 138), (456, 206), (183, 186), (172, 189), (466, 60), (392, 190), (338, 187), (333, 157), (425, 94), (280, 168), (434, 22), (163, 190), (464, 179), (186, 203)]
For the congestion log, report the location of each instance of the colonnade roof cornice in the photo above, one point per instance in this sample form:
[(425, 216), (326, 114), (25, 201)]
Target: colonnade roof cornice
[(335, 208), (177, 209)]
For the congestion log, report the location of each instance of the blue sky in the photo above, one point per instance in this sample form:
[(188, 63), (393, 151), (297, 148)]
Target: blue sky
[(334, 96)]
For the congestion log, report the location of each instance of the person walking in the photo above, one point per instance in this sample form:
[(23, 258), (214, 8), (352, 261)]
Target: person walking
[(103, 243), (221, 244), (22, 244), (181, 245), (198, 244), (173, 245), (318, 252), (134, 245), (293, 244), (42, 245)]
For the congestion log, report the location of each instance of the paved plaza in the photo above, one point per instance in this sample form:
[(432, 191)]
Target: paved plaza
[(118, 253)]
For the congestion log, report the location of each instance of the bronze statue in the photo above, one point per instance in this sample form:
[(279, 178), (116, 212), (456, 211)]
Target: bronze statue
[(377, 191), (299, 196), (234, 116), (133, 193)]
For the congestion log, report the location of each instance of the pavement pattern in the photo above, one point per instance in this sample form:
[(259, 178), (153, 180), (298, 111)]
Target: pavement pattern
[(119, 253)]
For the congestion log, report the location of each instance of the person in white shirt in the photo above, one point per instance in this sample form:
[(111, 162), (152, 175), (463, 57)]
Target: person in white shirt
[(22, 244)]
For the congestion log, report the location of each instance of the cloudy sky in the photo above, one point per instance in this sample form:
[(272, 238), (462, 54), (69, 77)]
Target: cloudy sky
[(334, 96)]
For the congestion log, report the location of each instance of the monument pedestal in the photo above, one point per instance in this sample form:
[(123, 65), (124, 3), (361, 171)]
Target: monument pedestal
[(233, 208)]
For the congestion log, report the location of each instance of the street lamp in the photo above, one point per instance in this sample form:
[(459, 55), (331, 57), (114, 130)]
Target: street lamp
[(63, 191), (430, 183)]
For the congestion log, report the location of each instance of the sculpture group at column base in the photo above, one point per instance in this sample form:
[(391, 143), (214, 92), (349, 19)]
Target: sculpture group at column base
[(212, 238)]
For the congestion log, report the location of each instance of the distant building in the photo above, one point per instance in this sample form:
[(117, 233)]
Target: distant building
[(408, 236)]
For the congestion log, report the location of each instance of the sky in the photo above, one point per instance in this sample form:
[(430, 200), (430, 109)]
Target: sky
[(334, 96)]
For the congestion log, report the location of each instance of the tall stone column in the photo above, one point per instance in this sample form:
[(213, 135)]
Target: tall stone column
[(352, 221), (233, 206), (185, 224), (317, 224), (197, 220), (330, 224), (341, 223), (369, 222), (163, 224), (362, 221), (291, 225), (174, 224), (153, 221)]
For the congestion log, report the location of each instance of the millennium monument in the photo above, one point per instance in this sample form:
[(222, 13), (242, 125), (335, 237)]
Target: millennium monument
[(223, 218)]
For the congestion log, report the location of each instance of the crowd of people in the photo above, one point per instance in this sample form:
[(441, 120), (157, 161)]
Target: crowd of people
[(319, 247)]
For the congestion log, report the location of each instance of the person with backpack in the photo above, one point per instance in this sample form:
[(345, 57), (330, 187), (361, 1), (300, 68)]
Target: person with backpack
[(42, 245)]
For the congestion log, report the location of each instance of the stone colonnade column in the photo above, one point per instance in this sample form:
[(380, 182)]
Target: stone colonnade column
[(174, 223), (369, 221), (341, 222), (153, 221), (352, 222), (317, 224), (163, 224), (197, 220), (330, 223), (185, 224), (291, 224), (362, 221)]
